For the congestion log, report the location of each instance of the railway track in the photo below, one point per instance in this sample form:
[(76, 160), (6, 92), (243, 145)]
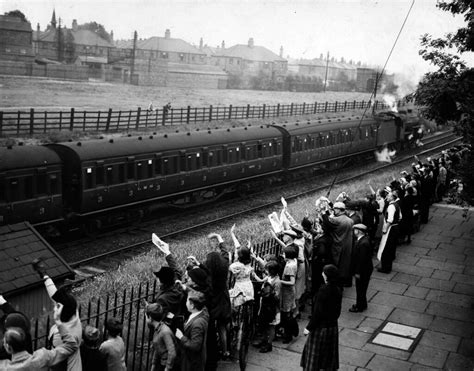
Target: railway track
[(101, 262)]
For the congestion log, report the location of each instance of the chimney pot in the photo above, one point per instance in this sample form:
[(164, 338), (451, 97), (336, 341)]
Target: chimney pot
[(223, 44), (251, 43), (167, 33), (74, 25)]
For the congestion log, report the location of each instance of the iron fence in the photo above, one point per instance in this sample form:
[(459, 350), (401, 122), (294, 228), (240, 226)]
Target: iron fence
[(30, 122), (128, 306)]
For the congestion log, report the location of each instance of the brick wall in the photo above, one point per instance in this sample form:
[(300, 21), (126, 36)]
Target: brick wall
[(69, 72)]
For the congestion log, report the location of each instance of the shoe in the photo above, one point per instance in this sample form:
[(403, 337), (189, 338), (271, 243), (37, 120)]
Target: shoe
[(287, 340), (355, 309), (266, 348), (383, 271), (258, 344)]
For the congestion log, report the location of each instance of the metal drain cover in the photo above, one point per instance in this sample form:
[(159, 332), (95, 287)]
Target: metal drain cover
[(398, 336)]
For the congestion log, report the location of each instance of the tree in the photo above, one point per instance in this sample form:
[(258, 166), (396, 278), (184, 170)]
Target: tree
[(448, 93), (17, 13), (69, 47), (97, 28)]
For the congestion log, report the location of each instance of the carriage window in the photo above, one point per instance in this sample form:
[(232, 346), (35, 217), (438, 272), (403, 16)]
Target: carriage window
[(191, 162), (170, 165), (53, 184), (2, 190), (121, 173), (251, 153), (205, 159), (149, 169), (89, 180), (140, 171), (14, 185), (158, 166), (182, 163), (131, 170), (218, 156), (231, 156), (28, 186), (41, 184), (109, 174), (99, 175)]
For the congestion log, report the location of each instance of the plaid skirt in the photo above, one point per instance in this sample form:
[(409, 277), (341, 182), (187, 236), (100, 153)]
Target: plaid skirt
[(321, 350)]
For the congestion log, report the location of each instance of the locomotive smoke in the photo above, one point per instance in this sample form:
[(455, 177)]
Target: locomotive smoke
[(390, 101), (385, 155)]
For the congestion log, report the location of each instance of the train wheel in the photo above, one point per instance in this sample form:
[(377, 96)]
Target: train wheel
[(92, 227)]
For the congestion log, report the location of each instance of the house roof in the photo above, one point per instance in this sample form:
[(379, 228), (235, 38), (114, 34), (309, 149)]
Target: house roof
[(14, 23), (254, 53), (162, 44), (322, 63), (81, 37), (20, 244)]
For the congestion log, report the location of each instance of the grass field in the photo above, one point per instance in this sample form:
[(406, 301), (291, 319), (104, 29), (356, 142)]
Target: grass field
[(24, 93)]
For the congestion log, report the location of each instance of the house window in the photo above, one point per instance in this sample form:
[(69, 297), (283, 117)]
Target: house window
[(231, 61), (193, 58), (164, 55), (181, 57)]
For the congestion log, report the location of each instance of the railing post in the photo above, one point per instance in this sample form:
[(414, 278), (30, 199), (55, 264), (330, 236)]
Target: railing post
[(109, 115), (210, 112), (188, 114), (98, 121), (291, 109), (263, 115), (248, 110), (71, 120), (1, 122), (335, 107), (137, 123), (326, 106), (345, 105), (315, 107), (230, 112), (354, 107), (18, 123), (61, 120), (278, 109), (32, 121), (304, 107)]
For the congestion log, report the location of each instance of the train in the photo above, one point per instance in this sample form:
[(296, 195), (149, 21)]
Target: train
[(103, 182)]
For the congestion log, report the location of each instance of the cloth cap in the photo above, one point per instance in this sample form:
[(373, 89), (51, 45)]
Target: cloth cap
[(91, 334), (331, 272), (199, 276), (360, 227), (68, 301), (165, 275), (113, 325), (339, 205), (155, 311)]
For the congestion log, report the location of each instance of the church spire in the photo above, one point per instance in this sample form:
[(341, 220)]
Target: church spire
[(53, 19)]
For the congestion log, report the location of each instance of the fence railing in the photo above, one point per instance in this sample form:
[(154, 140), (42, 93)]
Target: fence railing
[(30, 122), (127, 306)]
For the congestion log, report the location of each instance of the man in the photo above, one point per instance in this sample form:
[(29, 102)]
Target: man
[(15, 344), (388, 244), (339, 227), (216, 243), (362, 263)]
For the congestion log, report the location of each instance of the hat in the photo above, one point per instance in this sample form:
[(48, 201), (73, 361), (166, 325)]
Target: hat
[(331, 272), (306, 224), (199, 276), (155, 311), (17, 319), (91, 334), (360, 227), (339, 205), (68, 301), (165, 275)]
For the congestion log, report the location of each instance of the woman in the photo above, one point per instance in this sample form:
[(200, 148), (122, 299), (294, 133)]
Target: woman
[(321, 350)]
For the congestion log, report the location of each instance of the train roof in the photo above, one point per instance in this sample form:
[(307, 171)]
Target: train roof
[(136, 145), (23, 157), (310, 127)]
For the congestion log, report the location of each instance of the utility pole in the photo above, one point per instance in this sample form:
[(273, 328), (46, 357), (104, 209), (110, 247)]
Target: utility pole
[(327, 67), (132, 66), (377, 77)]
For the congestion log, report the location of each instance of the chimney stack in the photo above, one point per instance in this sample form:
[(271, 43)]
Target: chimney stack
[(38, 27), (251, 43), (112, 35), (321, 56), (201, 43), (167, 33), (281, 51), (223, 44), (74, 25)]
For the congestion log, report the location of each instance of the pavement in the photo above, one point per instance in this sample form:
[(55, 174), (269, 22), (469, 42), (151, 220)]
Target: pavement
[(430, 289)]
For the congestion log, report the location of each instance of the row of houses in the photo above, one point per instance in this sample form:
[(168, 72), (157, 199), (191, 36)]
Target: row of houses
[(165, 60)]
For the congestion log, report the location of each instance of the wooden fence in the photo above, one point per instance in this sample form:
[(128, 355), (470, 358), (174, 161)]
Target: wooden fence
[(127, 306), (30, 122)]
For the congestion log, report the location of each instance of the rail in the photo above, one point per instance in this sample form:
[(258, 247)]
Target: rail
[(33, 121)]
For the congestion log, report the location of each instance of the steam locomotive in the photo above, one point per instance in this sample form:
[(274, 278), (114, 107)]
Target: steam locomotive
[(101, 182)]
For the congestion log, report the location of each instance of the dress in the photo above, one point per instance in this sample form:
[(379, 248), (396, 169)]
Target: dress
[(288, 293), (321, 350), (300, 283), (243, 287)]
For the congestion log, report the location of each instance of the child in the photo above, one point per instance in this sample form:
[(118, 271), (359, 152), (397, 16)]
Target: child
[(164, 348), (92, 358), (192, 341), (288, 303), (269, 313), (114, 347)]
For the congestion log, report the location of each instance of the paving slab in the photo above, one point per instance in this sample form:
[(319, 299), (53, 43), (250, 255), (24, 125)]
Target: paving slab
[(369, 325), (399, 301), (355, 357), (352, 338), (442, 275), (440, 340), (416, 292), (388, 286), (459, 300), (453, 327), (409, 318), (450, 311), (380, 362), (428, 356), (446, 266), (457, 361), (412, 269), (409, 279), (388, 352), (466, 348), (436, 284)]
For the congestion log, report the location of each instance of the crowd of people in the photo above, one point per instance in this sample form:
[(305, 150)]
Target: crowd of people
[(191, 317)]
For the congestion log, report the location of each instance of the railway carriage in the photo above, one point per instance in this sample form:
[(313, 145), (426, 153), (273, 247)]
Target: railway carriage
[(30, 185)]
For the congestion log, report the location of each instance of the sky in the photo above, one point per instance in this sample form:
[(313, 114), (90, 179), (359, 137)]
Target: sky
[(361, 30)]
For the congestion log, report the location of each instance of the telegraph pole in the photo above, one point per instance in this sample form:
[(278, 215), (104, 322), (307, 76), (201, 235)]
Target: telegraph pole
[(327, 67), (132, 63)]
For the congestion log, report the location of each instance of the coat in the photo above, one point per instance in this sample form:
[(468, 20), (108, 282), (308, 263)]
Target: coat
[(340, 229), (164, 347), (362, 258), (193, 343)]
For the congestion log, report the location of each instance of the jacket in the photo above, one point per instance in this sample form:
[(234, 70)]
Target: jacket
[(327, 308), (164, 347), (362, 258), (193, 343)]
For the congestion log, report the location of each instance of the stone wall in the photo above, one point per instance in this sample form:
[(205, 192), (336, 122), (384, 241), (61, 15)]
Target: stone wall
[(66, 72)]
